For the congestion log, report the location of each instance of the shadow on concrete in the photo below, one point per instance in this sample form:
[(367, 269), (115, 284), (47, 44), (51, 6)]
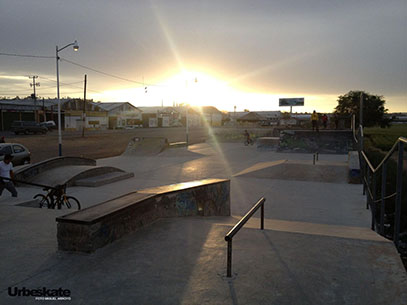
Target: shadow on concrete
[(287, 270), (150, 266), (233, 292)]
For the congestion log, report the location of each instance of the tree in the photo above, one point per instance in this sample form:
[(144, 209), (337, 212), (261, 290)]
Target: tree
[(373, 108)]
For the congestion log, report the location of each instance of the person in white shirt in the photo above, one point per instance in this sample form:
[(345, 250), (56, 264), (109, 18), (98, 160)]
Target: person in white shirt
[(6, 171)]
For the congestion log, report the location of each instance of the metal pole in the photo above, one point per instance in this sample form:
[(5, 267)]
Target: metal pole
[(84, 108), (35, 100), (368, 187), (398, 196), (59, 109), (363, 175), (186, 125), (262, 217), (361, 110), (382, 204), (229, 263), (373, 202), (43, 109), (313, 160)]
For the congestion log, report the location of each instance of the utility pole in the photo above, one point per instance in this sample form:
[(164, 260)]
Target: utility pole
[(84, 107), (361, 109), (43, 109), (34, 96), (361, 120)]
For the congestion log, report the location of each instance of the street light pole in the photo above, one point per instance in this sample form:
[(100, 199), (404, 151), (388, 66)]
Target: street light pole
[(187, 125), (75, 48), (186, 114)]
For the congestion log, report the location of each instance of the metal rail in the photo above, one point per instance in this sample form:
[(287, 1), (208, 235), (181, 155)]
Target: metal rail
[(369, 175), (238, 226)]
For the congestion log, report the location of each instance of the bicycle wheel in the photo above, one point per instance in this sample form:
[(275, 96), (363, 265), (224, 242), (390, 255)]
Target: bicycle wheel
[(72, 201), (43, 200)]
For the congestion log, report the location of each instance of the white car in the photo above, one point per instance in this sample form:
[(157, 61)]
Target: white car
[(20, 153), (49, 125)]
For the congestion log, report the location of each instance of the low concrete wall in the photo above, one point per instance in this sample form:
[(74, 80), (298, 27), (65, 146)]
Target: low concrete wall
[(28, 172), (92, 228), (324, 141), (354, 167)]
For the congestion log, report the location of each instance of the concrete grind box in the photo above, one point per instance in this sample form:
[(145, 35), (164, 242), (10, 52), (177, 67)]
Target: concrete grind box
[(96, 226)]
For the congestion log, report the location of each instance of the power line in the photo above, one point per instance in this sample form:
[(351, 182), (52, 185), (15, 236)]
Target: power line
[(101, 72), (109, 74), (21, 55), (85, 67)]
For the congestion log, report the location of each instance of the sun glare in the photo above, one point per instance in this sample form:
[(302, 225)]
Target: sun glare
[(201, 89), (197, 89)]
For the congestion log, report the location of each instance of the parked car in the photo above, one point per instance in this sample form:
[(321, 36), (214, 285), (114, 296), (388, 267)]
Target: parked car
[(49, 125), (20, 153), (27, 127)]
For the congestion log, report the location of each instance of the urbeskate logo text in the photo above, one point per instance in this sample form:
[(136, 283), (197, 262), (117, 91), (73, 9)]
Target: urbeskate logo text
[(40, 293)]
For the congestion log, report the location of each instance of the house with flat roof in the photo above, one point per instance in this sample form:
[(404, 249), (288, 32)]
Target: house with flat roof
[(122, 115)]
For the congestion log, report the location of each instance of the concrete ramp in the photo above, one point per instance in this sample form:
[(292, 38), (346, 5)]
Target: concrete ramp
[(71, 171), (81, 175), (146, 146), (322, 171)]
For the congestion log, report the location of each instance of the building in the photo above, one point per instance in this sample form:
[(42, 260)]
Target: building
[(95, 116), (211, 116), (28, 109), (161, 116), (122, 115), (194, 116), (251, 119)]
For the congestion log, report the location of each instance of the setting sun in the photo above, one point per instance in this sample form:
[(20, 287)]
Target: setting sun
[(202, 89)]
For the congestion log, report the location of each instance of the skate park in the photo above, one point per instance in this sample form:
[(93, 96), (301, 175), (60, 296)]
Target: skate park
[(316, 246)]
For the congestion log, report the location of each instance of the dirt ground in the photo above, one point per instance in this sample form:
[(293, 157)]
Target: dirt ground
[(96, 144)]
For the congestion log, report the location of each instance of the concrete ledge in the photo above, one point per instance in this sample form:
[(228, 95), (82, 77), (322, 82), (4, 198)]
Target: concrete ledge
[(354, 167), (92, 228), (103, 179), (268, 142), (177, 144)]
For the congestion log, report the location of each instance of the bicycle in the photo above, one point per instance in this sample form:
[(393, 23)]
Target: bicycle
[(248, 141), (56, 197)]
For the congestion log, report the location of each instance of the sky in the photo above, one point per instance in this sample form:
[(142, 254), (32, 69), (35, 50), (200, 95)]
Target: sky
[(225, 53)]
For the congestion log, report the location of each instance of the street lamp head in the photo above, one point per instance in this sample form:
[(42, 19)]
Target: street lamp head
[(75, 46)]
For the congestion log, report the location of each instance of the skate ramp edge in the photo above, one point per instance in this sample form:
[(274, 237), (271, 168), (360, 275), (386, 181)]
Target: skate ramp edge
[(146, 146), (27, 173), (333, 172)]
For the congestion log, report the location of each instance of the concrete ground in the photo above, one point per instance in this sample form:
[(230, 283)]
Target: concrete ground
[(316, 247)]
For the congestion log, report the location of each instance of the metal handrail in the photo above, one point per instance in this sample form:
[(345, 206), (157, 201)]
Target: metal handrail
[(388, 155), (354, 129), (370, 184), (238, 226)]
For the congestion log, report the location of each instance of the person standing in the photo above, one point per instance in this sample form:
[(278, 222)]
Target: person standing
[(314, 120), (6, 171), (248, 139), (325, 120)]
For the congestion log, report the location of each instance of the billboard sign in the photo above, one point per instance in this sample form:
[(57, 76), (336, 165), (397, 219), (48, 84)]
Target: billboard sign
[(298, 101)]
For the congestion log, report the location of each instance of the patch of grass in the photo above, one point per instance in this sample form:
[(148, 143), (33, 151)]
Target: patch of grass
[(384, 138)]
